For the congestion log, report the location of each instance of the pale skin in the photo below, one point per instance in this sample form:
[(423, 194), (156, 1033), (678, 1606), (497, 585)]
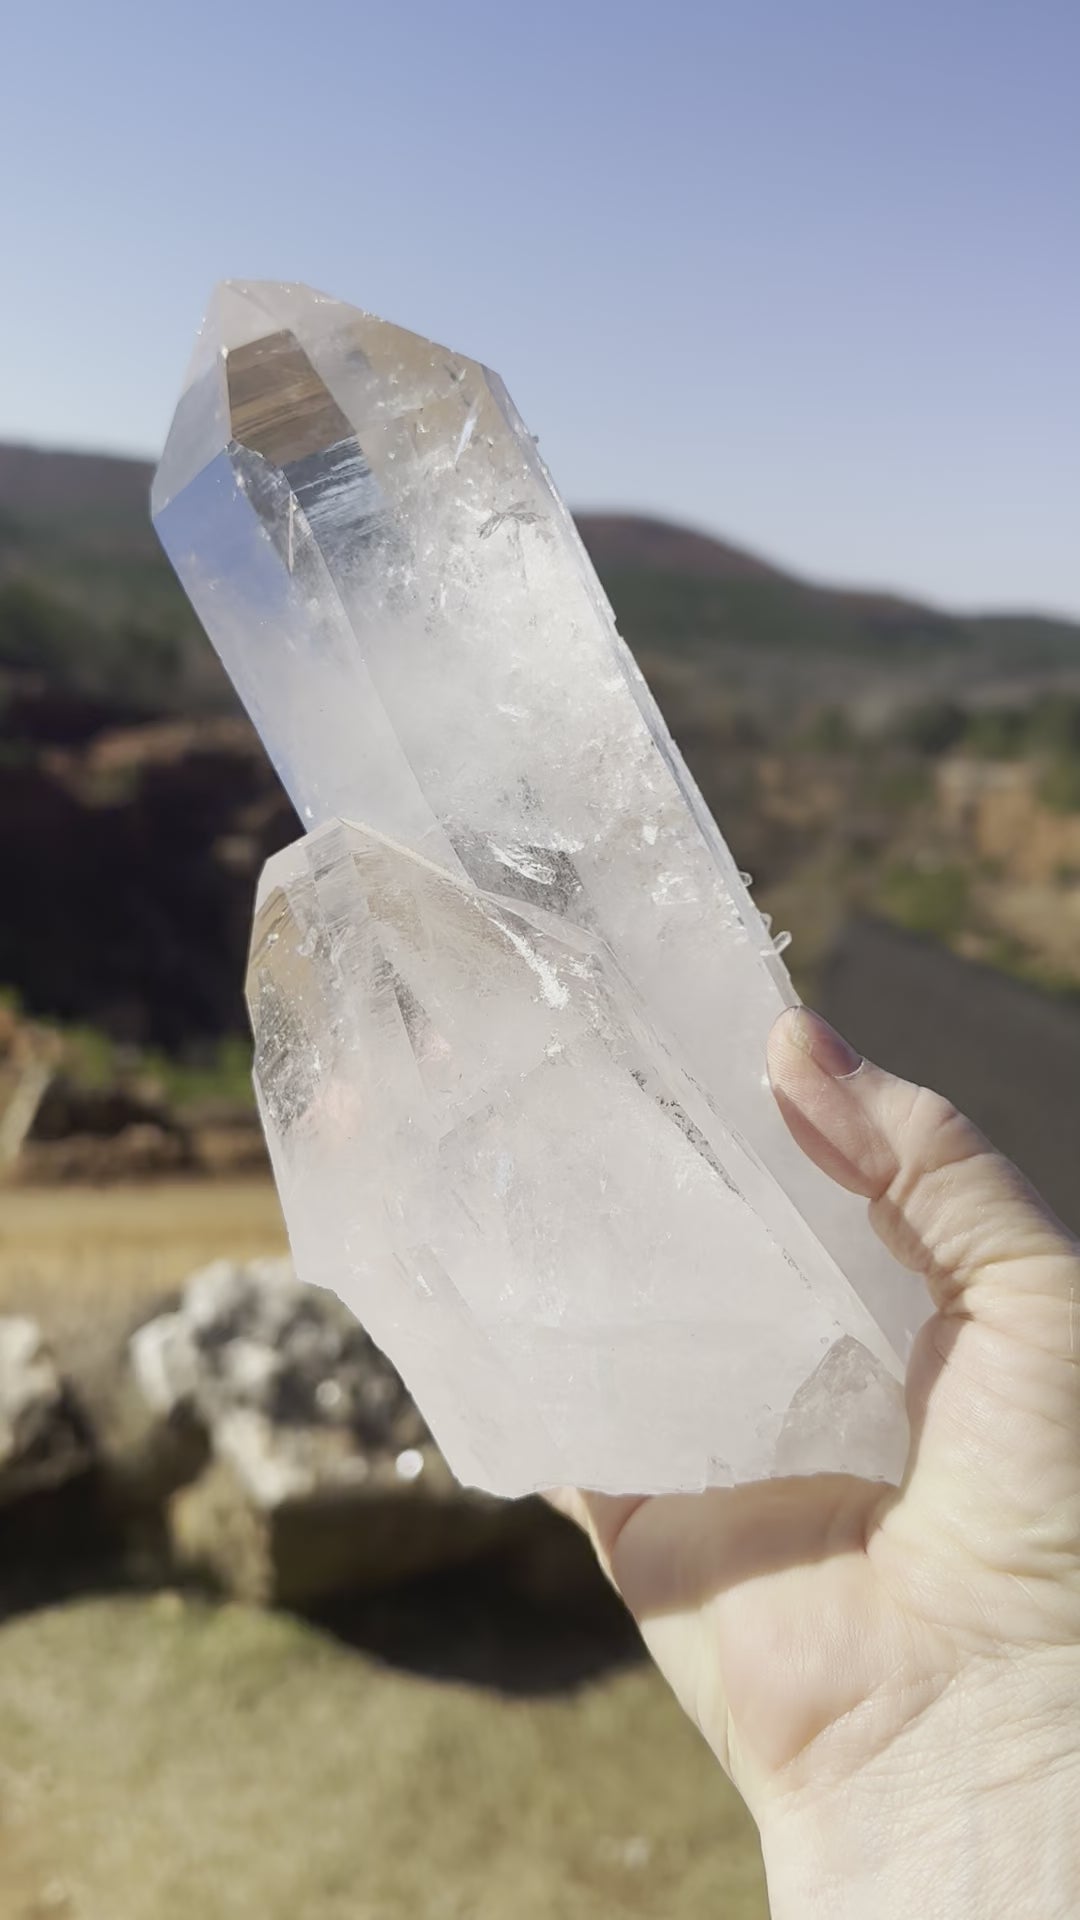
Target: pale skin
[(892, 1678)]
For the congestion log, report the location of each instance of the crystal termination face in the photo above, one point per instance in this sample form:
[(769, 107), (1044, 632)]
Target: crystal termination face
[(509, 992)]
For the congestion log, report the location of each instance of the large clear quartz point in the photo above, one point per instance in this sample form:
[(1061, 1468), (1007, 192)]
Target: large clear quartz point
[(510, 995)]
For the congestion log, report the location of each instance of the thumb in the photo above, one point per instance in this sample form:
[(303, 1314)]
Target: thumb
[(992, 1389), (942, 1200)]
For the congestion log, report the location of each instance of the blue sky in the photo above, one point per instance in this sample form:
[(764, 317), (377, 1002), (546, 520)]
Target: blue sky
[(803, 272)]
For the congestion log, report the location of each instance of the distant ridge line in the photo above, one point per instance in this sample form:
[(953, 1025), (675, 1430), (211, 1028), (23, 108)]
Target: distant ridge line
[(51, 484)]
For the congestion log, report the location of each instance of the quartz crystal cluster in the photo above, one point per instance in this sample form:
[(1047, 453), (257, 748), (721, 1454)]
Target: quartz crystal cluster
[(510, 994)]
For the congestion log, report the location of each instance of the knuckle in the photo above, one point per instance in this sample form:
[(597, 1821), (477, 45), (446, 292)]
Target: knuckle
[(936, 1134), (933, 1138)]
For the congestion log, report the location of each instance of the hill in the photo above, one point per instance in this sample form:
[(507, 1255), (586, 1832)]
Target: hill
[(88, 602), (677, 590)]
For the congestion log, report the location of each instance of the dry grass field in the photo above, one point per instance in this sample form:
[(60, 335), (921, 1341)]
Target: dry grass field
[(164, 1758), (69, 1254)]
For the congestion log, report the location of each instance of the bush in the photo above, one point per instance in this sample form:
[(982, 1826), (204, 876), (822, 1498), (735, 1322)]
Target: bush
[(933, 728), (220, 1072), (1054, 725), (934, 901), (997, 733), (831, 731), (35, 630), (1059, 784), (897, 788)]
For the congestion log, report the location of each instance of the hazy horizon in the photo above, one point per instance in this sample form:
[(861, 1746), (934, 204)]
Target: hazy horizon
[(806, 576)]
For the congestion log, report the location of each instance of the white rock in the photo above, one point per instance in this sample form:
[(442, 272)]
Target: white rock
[(289, 1390), (31, 1391)]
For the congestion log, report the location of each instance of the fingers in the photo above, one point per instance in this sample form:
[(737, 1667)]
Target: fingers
[(943, 1201), (992, 1382)]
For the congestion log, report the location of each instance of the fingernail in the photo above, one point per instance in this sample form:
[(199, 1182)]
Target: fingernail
[(827, 1048)]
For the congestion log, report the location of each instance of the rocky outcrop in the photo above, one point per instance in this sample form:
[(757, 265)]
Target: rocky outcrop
[(994, 809), (324, 1477), (249, 1435), (43, 1441)]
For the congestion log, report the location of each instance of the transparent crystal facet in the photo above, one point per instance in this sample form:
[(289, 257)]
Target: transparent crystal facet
[(510, 993)]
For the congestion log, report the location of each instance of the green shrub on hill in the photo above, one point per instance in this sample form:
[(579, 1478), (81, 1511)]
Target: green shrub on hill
[(932, 728), (37, 631), (93, 1061), (1059, 784), (930, 900), (996, 733)]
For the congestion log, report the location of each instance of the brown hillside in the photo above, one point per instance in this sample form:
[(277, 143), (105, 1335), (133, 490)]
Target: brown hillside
[(619, 540), (39, 483)]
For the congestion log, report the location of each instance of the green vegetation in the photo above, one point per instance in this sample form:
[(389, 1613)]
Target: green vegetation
[(220, 1072), (1008, 955), (35, 629), (656, 608), (1053, 724), (1046, 731), (87, 597), (138, 660), (996, 733), (928, 900), (749, 665), (897, 786), (831, 731), (933, 728), (1059, 784), (92, 1060)]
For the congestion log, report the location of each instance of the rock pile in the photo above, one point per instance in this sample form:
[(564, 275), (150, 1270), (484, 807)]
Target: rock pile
[(252, 1436), (43, 1442)]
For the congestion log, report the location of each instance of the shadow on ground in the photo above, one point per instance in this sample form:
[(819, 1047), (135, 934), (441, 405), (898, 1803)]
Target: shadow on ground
[(471, 1625)]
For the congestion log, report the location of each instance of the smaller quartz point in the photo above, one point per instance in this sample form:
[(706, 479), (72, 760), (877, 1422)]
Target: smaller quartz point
[(510, 993)]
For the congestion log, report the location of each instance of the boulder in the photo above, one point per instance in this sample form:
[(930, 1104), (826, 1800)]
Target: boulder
[(43, 1442), (324, 1478), (251, 1435), (345, 1534), (288, 1385)]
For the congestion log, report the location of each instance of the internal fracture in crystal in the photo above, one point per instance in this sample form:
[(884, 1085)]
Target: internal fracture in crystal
[(510, 993)]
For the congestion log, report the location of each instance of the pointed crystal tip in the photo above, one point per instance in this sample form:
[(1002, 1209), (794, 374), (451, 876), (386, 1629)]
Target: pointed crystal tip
[(242, 317)]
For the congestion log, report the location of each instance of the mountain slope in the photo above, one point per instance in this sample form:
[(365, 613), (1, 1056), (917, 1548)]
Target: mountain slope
[(89, 605), (87, 601)]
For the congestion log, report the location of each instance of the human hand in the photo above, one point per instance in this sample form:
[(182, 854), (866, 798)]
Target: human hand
[(892, 1677)]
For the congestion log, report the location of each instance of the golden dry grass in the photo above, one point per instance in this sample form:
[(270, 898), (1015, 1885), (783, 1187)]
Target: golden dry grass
[(65, 1252), (165, 1759), (162, 1760)]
